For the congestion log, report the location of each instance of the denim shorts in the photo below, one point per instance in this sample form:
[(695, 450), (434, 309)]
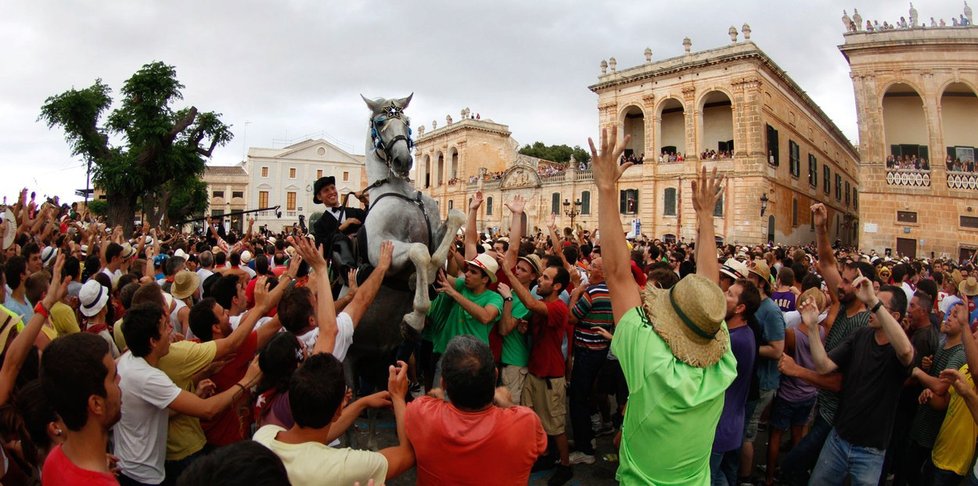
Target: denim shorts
[(785, 414)]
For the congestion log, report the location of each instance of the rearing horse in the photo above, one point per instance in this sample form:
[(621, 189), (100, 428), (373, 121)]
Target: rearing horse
[(400, 213)]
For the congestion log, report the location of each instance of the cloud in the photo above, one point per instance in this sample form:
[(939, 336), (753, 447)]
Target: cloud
[(278, 71)]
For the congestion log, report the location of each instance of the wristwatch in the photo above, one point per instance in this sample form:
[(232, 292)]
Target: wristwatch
[(507, 299)]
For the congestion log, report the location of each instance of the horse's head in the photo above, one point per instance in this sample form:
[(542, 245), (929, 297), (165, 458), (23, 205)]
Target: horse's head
[(390, 133)]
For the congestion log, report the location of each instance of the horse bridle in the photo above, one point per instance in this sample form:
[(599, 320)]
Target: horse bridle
[(382, 147)]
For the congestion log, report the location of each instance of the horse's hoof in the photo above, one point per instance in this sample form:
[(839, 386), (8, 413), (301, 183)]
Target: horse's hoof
[(414, 321)]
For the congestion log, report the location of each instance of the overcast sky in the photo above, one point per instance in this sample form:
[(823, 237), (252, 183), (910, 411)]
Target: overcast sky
[(284, 71)]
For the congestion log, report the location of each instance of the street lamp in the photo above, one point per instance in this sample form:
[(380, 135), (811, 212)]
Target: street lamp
[(764, 201), (572, 210)]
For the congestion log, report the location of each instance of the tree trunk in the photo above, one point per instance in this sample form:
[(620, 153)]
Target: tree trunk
[(121, 211)]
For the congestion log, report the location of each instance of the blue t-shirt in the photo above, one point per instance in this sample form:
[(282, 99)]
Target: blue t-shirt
[(771, 322)]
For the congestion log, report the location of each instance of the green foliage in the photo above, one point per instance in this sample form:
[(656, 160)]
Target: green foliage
[(163, 150), (556, 153), (98, 207), (188, 199)]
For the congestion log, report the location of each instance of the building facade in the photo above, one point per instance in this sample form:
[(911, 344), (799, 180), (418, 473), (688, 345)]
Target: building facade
[(918, 128), (732, 108), (284, 177), (227, 192)]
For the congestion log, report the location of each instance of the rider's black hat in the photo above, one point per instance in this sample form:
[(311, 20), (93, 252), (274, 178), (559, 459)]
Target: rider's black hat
[(321, 183)]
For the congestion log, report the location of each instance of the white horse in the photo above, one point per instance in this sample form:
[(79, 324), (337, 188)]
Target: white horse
[(399, 212)]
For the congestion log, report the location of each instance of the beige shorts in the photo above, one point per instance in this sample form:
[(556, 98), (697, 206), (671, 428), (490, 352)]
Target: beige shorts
[(548, 398), (513, 379)]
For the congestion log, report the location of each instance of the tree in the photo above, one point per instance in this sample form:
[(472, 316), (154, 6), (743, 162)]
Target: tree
[(556, 153), (163, 151)]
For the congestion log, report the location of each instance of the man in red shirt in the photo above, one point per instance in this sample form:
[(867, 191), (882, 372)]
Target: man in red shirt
[(544, 390), (476, 436), (79, 379)]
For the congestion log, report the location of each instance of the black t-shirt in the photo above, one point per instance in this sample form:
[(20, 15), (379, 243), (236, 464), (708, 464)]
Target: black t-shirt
[(872, 380)]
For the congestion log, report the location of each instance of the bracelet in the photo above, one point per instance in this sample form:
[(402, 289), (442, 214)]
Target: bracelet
[(507, 299), (242, 387), (39, 309), (879, 303)]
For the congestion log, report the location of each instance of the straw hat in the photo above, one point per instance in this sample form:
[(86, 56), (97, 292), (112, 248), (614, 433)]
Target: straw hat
[(969, 288), (92, 298), (956, 275), (487, 264), (534, 260), (10, 233), (180, 253), (689, 318), (185, 283), (734, 269)]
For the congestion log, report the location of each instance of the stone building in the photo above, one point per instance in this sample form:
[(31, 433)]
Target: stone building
[(227, 192), (918, 128), (284, 177), (731, 107)]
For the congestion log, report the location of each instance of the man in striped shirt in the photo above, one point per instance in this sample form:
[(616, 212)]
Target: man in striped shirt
[(590, 314)]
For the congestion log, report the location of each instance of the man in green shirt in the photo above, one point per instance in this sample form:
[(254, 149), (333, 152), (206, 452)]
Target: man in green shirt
[(475, 308), (673, 346), (512, 326)]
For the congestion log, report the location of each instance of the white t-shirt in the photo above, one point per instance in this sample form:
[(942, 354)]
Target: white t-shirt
[(907, 289), (235, 321), (113, 276), (140, 435), (203, 273), (344, 336), (312, 463), (175, 318)]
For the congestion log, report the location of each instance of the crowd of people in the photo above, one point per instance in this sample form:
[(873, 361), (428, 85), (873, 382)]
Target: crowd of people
[(669, 157), (958, 165), (162, 357), (911, 162), (715, 154)]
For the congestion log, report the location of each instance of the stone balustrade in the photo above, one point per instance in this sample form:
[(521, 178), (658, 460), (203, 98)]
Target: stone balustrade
[(908, 177), (962, 180)]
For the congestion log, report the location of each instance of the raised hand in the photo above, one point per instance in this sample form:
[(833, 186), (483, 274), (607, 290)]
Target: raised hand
[(312, 254), (58, 286), (809, 313), (386, 255), (262, 300), (397, 382), (604, 163), (820, 215), (476, 200), (381, 399), (864, 290), (706, 191), (504, 291), (517, 205), (552, 222)]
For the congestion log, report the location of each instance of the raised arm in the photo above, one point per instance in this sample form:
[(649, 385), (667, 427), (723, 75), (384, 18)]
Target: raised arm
[(617, 270), (706, 193), (894, 332), (558, 248), (233, 341), (19, 347), (400, 458), (325, 312), (507, 322), (516, 207), (827, 265), (809, 314), (471, 235), (533, 305), (967, 339), (190, 404), (366, 292), (485, 315)]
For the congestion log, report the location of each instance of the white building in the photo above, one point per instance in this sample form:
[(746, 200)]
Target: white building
[(284, 177)]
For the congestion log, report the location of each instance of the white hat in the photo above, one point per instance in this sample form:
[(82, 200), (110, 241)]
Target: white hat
[(48, 254), (246, 257), (180, 253), (92, 298), (734, 269), (487, 264), (11, 232), (128, 251)]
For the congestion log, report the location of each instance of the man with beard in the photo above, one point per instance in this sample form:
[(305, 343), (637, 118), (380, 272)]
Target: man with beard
[(852, 316), (743, 300), (544, 390), (79, 379)]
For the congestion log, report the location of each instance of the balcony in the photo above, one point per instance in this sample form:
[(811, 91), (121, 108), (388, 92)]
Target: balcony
[(908, 177), (962, 180)]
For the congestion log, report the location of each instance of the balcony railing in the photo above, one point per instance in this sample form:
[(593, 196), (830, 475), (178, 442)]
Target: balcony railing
[(584, 175), (962, 180), (908, 177)]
